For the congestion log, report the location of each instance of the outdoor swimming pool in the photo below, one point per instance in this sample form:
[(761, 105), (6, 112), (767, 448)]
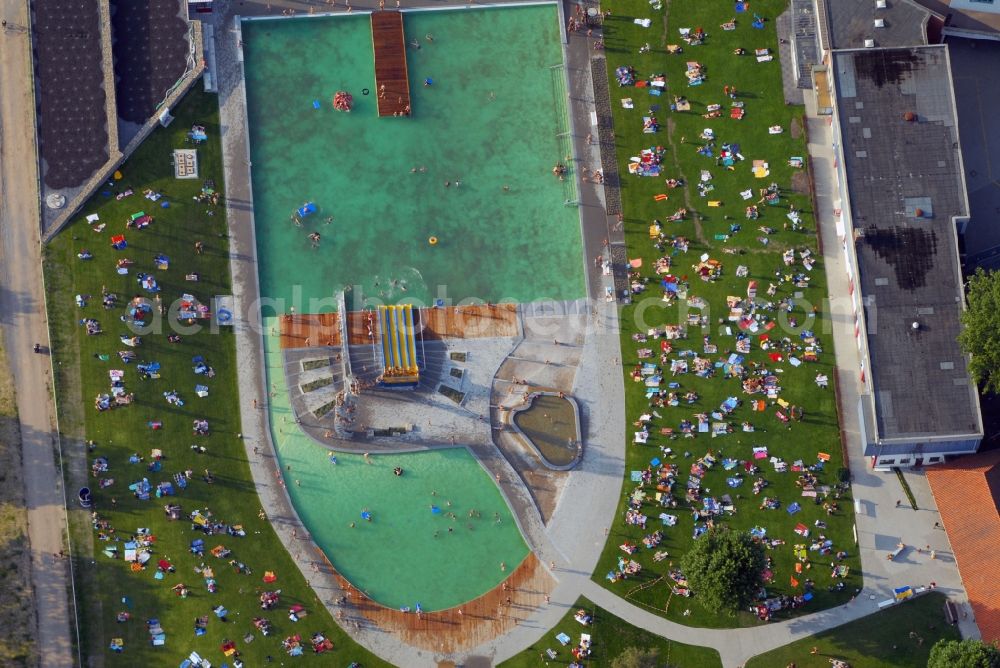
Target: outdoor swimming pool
[(408, 553), (495, 116)]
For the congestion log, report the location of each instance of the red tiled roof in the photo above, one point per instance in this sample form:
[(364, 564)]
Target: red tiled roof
[(967, 492)]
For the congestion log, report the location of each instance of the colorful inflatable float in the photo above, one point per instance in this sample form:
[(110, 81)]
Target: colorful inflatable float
[(400, 370), (342, 101), (306, 210)]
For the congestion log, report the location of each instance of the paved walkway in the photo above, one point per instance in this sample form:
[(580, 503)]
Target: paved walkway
[(22, 317), (568, 542)]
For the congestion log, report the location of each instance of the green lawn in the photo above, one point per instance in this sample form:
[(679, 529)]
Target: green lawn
[(106, 586), (881, 640), (610, 637), (759, 86)]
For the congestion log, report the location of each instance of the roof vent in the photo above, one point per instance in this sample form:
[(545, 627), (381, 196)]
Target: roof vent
[(869, 43), (879, 4), (915, 325), (879, 23), (909, 117)]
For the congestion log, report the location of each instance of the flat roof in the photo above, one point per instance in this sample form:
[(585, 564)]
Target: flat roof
[(151, 52), (965, 15), (72, 116), (905, 187), (851, 22)]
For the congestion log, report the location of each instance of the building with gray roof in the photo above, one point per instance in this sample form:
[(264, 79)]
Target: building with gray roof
[(875, 23), (903, 196)]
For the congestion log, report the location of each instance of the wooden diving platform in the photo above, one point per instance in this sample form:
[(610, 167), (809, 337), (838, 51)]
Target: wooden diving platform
[(392, 79)]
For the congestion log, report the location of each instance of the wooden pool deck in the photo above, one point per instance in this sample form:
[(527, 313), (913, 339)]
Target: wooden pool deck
[(392, 79), (463, 627), (359, 324), (310, 330), (474, 321)]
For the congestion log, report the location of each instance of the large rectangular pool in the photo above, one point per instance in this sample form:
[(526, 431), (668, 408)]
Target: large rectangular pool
[(472, 166)]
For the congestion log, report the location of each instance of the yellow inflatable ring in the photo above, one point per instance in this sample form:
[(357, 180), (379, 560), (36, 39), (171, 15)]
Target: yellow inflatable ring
[(433, 241)]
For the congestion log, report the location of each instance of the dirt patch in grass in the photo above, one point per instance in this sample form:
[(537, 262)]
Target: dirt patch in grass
[(678, 146), (800, 183), (17, 607), (795, 127)]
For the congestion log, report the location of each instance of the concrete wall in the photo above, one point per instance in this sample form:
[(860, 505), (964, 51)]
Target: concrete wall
[(908, 455)]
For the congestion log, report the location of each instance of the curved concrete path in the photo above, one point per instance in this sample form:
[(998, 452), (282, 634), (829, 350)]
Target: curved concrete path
[(568, 543)]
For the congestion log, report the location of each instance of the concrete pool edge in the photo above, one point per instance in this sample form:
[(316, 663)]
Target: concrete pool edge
[(565, 540), (407, 10)]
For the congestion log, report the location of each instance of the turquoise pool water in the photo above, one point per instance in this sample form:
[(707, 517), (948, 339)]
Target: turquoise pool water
[(492, 118), (407, 554)]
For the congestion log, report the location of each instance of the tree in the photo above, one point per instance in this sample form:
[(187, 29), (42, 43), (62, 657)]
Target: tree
[(980, 336), (725, 569), (963, 654), (635, 657)]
